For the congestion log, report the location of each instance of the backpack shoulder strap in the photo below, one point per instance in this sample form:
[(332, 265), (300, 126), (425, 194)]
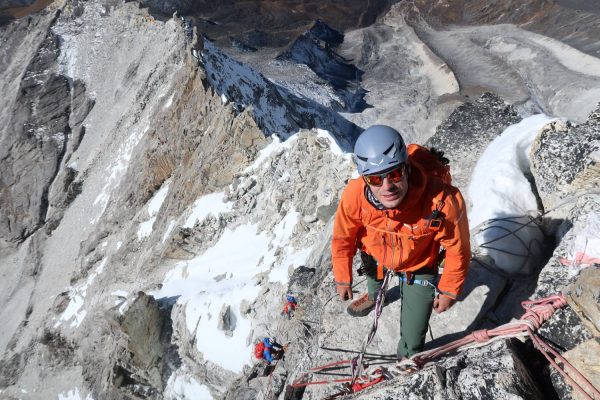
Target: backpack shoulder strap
[(430, 161)]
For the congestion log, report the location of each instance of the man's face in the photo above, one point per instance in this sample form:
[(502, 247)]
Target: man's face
[(393, 188)]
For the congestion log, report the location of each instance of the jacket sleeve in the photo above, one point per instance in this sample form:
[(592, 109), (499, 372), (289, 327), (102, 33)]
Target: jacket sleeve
[(456, 240), (346, 229)]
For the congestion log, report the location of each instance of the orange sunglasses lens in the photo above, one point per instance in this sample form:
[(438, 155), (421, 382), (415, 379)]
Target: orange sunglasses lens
[(394, 176)]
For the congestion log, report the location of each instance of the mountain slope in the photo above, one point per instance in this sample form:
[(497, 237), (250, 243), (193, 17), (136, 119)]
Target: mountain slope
[(162, 190)]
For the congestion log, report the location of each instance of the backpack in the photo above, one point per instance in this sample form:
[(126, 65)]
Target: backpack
[(259, 348), (435, 164), (433, 161)]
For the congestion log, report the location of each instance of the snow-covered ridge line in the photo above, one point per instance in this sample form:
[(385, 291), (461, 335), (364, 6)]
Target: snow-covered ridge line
[(275, 109)]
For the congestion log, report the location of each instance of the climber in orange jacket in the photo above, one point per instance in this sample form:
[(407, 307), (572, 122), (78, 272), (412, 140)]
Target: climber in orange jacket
[(399, 215)]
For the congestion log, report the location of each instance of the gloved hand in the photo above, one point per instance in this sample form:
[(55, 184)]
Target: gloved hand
[(440, 155)]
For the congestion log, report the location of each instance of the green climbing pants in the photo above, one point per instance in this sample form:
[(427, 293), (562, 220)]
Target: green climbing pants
[(417, 303)]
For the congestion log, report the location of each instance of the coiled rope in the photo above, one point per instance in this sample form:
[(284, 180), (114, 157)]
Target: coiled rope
[(536, 313)]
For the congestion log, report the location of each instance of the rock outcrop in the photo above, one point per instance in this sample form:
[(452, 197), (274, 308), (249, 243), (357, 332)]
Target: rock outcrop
[(565, 163)]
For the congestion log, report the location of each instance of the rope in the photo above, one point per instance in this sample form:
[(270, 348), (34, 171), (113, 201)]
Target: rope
[(476, 228), (322, 311), (483, 226), (357, 361), (528, 323), (536, 313), (545, 348)]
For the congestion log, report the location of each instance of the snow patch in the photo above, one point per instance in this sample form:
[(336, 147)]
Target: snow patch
[(333, 146), (211, 204), (181, 386), (168, 231), (145, 229), (154, 205), (157, 200), (117, 170), (77, 297), (498, 186), (285, 177), (503, 202), (121, 301), (274, 147), (73, 394), (169, 102)]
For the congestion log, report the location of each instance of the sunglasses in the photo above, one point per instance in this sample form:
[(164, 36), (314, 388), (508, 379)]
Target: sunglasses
[(393, 176)]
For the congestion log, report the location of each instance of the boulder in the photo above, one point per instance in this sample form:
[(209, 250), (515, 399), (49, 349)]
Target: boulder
[(226, 320), (565, 162)]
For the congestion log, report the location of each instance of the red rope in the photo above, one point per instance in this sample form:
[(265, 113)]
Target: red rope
[(544, 348)]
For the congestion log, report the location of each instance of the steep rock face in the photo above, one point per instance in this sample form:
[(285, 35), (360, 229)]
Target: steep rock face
[(270, 23), (43, 115), (567, 182), (143, 356), (565, 161), (315, 49), (128, 92)]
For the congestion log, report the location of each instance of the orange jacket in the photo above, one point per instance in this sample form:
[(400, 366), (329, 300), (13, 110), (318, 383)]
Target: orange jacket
[(400, 238)]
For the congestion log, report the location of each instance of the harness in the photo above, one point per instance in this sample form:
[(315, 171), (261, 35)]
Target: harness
[(409, 279)]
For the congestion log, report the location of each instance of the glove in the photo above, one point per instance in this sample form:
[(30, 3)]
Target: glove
[(440, 155)]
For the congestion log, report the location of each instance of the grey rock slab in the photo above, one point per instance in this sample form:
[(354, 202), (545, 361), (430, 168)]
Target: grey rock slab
[(33, 142), (274, 108), (585, 357), (584, 297)]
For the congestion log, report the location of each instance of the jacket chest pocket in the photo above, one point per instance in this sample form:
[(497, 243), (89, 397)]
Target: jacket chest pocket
[(422, 245)]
